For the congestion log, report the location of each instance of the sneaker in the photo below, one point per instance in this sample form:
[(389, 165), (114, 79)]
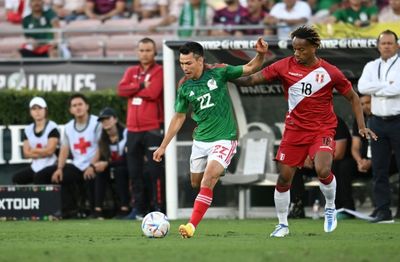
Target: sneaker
[(343, 215), (134, 215), (330, 223), (383, 217), (281, 230), (187, 231)]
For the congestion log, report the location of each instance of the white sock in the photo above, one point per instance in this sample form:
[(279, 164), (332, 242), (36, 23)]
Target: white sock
[(282, 201), (329, 192)]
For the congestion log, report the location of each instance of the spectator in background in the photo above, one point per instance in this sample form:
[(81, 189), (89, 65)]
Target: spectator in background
[(150, 8), (40, 44), (70, 10), (105, 9), (230, 15), (381, 79), (143, 86), (175, 8), (40, 143), (390, 13), (355, 14), (195, 13), (80, 139), (109, 163), (321, 10), (255, 16), (286, 16)]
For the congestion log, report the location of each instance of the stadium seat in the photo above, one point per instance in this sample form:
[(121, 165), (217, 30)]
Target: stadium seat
[(8, 29), (87, 46), (119, 24), (145, 24), (122, 45), (72, 29), (2, 13), (9, 46)]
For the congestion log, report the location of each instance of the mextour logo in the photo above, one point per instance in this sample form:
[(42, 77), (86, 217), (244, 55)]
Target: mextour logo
[(19, 203)]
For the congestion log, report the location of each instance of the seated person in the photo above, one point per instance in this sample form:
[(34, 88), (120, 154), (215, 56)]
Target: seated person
[(356, 14), (105, 9), (40, 143), (286, 16), (40, 44), (70, 10), (195, 13), (255, 16), (230, 15), (390, 13), (109, 162), (150, 8)]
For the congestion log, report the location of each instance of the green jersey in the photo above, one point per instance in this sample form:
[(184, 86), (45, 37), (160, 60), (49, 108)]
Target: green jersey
[(211, 103)]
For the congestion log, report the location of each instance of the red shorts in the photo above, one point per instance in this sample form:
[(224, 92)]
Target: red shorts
[(297, 145)]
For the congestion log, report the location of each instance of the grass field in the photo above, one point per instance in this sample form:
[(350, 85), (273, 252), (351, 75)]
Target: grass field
[(215, 240)]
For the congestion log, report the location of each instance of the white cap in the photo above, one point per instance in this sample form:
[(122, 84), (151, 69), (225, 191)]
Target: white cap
[(38, 101)]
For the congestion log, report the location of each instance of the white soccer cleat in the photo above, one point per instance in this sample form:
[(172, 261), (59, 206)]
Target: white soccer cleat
[(281, 230), (330, 223)]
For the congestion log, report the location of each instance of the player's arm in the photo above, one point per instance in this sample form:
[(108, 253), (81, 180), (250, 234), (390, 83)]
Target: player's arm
[(255, 64), (367, 84), (175, 125), (354, 100), (251, 80)]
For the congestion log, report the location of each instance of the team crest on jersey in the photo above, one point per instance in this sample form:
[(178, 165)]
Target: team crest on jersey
[(319, 78), (212, 84)]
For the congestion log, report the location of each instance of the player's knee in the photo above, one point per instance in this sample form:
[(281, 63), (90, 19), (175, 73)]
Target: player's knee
[(323, 171)]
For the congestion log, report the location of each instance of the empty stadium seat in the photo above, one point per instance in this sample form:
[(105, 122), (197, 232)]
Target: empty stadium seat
[(72, 29), (122, 45), (119, 24), (9, 46), (8, 29), (87, 46)]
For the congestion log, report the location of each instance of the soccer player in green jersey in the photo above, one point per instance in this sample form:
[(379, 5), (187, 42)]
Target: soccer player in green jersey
[(215, 138)]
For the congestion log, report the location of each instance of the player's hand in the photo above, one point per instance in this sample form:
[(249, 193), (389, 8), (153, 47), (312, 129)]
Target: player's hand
[(89, 173), (367, 133), (261, 46), (57, 176), (158, 154)]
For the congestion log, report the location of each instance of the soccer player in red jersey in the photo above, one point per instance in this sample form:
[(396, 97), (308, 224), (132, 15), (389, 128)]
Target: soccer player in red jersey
[(308, 83)]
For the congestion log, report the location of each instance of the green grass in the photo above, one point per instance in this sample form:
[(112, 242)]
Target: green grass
[(215, 240)]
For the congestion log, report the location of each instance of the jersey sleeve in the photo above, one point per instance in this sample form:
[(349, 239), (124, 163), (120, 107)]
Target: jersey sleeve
[(271, 72), (181, 103), (342, 85), (233, 72), (54, 133)]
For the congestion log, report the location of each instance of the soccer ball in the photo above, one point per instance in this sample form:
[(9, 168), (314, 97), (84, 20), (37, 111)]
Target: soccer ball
[(155, 225)]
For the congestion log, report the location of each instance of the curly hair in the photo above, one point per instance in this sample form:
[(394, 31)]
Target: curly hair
[(308, 33)]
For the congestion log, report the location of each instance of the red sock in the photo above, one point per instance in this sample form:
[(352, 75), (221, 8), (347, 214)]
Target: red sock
[(201, 204), (327, 180)]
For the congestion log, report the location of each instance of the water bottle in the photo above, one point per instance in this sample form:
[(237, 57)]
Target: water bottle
[(315, 209)]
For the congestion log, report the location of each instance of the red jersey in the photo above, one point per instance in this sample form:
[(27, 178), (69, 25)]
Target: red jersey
[(145, 103), (309, 91)]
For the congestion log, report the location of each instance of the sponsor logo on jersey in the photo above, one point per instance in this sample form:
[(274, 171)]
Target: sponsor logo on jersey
[(212, 84), (295, 74)]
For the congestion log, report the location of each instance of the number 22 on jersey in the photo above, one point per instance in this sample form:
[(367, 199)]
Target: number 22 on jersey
[(205, 101)]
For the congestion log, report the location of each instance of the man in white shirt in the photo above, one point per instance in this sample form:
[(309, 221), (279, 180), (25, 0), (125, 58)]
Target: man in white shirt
[(381, 79), (287, 16)]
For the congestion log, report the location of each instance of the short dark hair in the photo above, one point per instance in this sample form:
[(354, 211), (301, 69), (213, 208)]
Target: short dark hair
[(388, 32), (308, 33), (78, 95), (147, 40), (192, 47)]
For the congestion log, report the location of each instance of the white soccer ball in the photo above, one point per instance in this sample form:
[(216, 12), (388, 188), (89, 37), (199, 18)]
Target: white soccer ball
[(155, 225)]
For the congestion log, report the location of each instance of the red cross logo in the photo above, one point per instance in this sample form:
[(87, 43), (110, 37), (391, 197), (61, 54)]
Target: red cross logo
[(82, 145), (39, 145)]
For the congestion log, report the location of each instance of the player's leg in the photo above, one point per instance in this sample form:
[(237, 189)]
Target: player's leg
[(282, 199), (219, 155), (290, 156), (322, 153)]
